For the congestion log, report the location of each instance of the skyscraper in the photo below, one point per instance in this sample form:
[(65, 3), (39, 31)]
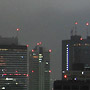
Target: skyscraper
[(76, 58), (13, 65), (39, 68)]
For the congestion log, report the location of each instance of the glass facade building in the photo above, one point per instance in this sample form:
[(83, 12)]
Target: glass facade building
[(39, 71), (13, 67), (76, 58)]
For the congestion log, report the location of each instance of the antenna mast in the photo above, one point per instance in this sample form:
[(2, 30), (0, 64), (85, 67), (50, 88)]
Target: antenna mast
[(76, 28), (87, 27)]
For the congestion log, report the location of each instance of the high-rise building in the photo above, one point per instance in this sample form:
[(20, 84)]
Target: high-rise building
[(13, 65), (39, 60), (76, 58)]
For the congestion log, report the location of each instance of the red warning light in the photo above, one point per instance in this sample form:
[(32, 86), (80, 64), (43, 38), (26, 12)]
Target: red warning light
[(87, 24), (81, 38), (27, 45), (18, 29), (32, 50), (38, 43), (32, 71), (50, 71), (76, 23), (16, 71), (27, 75), (50, 50), (65, 76)]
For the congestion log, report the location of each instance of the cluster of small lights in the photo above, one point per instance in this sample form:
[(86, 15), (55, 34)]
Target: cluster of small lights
[(39, 43), (67, 57), (15, 74)]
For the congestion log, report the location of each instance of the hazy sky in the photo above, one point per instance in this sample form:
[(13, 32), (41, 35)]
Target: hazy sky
[(48, 21)]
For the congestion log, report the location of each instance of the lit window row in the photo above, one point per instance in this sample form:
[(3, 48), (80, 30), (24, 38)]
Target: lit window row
[(67, 57), (79, 44)]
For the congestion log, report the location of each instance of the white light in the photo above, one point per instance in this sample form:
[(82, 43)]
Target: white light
[(40, 61), (46, 62), (3, 87), (16, 83), (82, 72), (9, 78), (75, 78), (63, 71), (67, 57)]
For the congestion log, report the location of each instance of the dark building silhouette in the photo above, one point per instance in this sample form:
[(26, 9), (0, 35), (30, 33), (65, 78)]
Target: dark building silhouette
[(13, 65), (39, 61), (76, 58), (71, 85)]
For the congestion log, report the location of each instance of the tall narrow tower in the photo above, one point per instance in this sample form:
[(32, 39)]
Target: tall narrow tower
[(39, 68)]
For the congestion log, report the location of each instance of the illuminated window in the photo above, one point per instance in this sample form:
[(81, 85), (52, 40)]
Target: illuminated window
[(35, 56), (46, 62)]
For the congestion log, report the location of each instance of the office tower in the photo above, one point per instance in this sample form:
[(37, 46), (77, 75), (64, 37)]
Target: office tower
[(39, 68), (76, 58), (13, 65)]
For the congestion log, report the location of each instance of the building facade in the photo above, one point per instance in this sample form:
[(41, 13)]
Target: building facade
[(13, 66), (39, 61), (76, 58)]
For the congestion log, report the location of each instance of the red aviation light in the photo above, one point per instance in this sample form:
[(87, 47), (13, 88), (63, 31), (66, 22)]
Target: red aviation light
[(38, 43), (27, 45), (32, 71), (4, 74), (16, 71), (65, 76), (50, 50), (18, 29), (27, 75), (87, 24), (50, 71), (76, 23), (81, 38)]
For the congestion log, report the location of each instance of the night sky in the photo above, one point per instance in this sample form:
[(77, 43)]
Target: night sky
[(46, 21)]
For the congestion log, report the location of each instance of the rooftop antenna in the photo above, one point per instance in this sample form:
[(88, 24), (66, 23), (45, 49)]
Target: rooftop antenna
[(17, 33), (87, 27), (72, 31), (76, 28)]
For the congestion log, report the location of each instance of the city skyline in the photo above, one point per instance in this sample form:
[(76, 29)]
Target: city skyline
[(46, 21)]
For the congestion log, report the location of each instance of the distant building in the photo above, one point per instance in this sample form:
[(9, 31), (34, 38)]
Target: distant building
[(13, 65), (39, 61), (8, 41), (76, 58)]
